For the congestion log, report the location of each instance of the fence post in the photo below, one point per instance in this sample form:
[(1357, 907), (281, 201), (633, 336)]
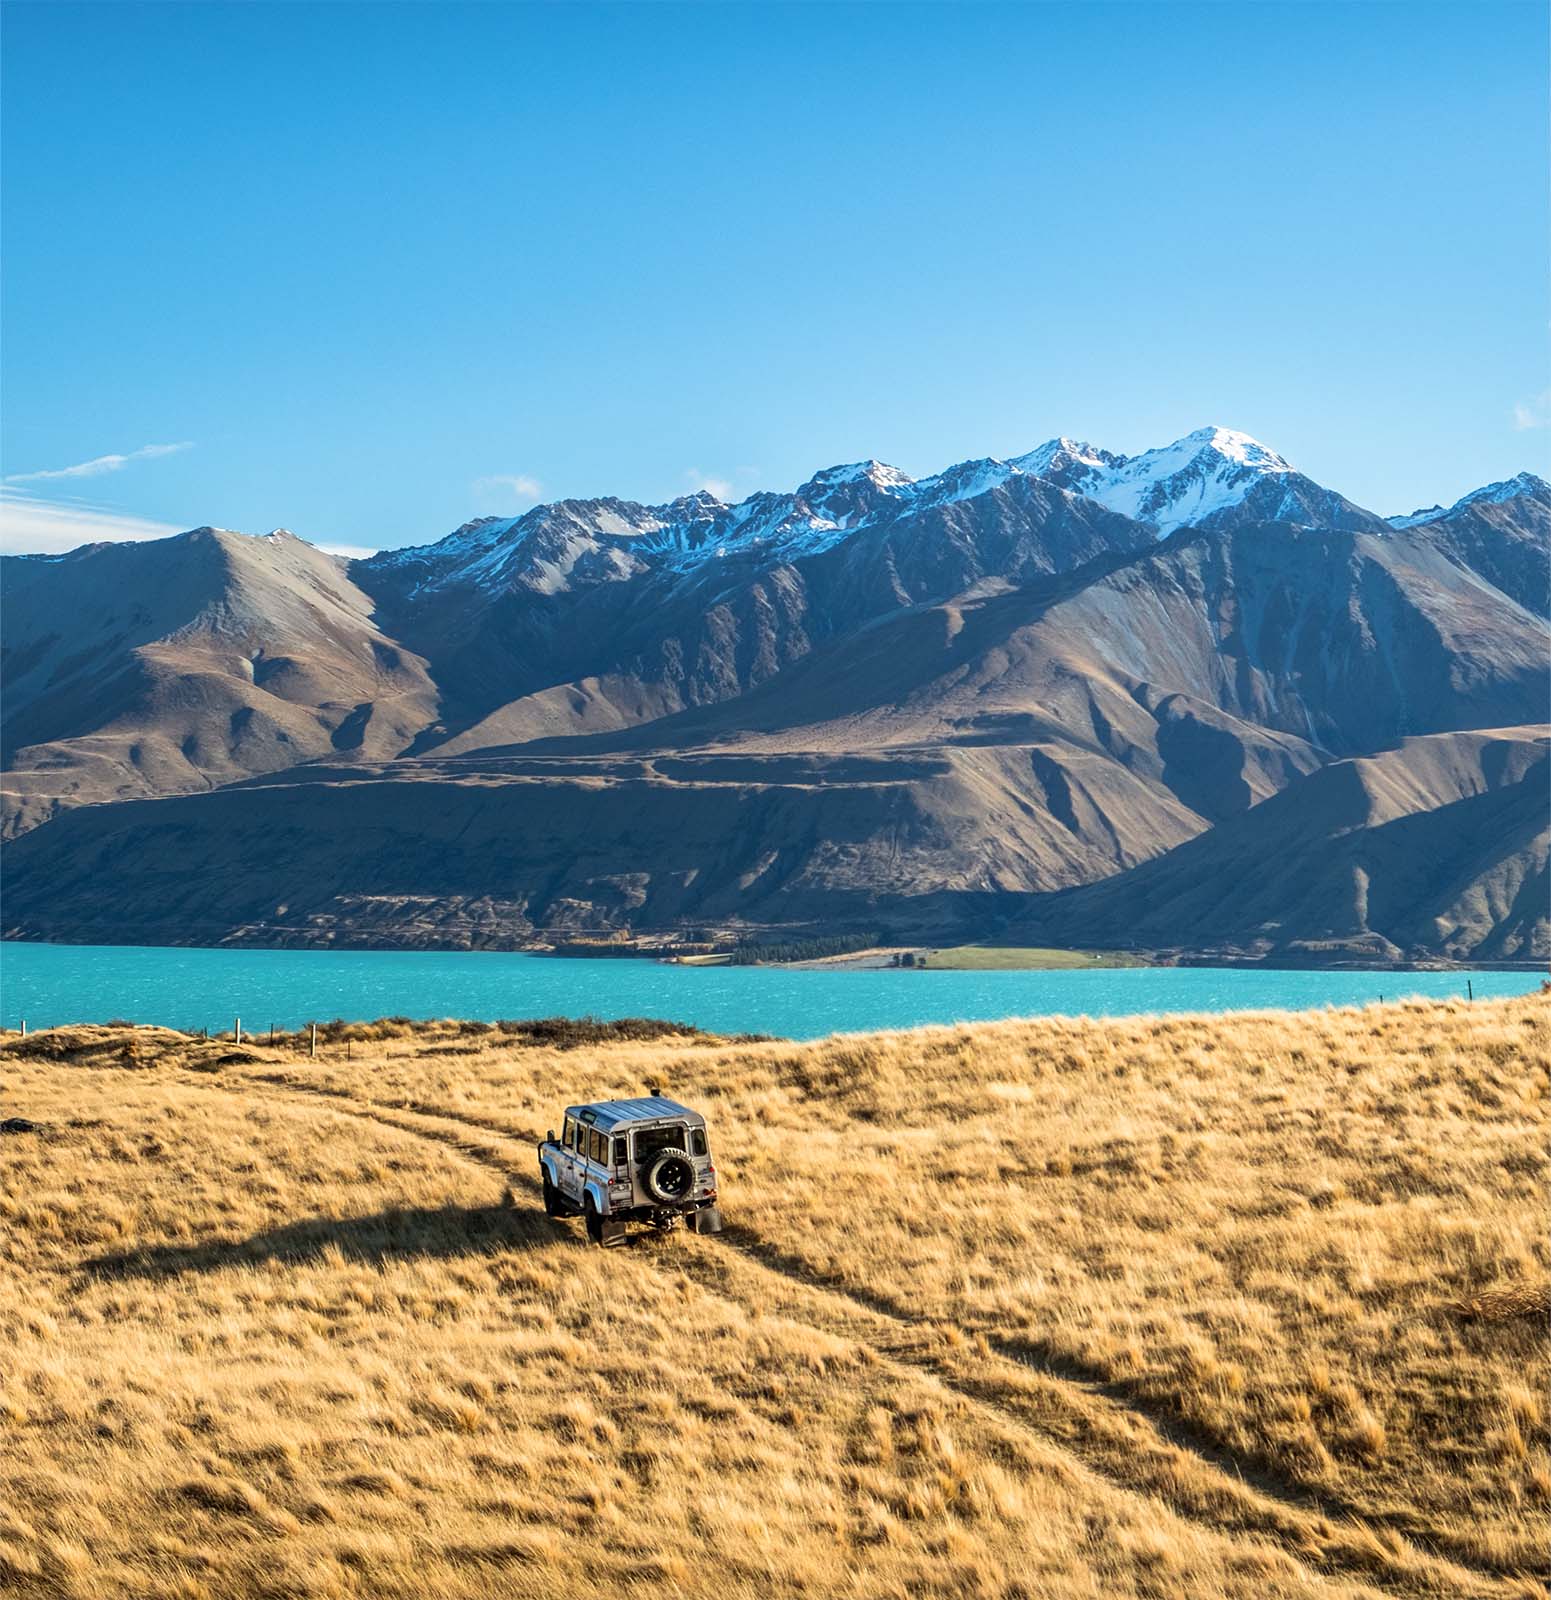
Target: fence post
[(1470, 989), (237, 1030), (271, 1036), (24, 1027), (347, 1049), (313, 1051)]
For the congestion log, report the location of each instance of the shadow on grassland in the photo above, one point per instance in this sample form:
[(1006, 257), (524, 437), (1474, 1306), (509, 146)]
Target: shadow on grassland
[(396, 1234)]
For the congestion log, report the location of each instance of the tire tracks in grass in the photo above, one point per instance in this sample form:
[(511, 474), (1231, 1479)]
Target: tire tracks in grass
[(1049, 1404), (1082, 1426)]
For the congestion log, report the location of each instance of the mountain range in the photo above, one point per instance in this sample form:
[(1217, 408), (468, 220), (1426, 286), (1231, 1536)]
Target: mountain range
[(1189, 700)]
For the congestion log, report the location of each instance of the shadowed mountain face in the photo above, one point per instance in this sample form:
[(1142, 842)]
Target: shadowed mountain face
[(1507, 542), (1440, 843), (1074, 692)]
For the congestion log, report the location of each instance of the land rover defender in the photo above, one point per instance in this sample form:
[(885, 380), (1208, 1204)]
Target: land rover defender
[(623, 1161)]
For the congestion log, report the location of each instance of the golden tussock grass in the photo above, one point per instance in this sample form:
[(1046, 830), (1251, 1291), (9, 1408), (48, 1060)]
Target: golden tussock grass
[(1250, 1306)]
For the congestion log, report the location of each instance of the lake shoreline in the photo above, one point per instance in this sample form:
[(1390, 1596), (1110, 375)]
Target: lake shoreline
[(197, 987), (1232, 959)]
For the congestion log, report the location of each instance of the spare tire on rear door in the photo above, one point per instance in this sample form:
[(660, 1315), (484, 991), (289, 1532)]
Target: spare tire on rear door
[(670, 1178)]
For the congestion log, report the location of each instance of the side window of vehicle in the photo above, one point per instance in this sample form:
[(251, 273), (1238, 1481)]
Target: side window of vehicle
[(568, 1133), (697, 1144), (599, 1145)]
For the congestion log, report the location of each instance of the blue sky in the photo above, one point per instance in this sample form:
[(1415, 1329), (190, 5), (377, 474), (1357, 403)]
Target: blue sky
[(372, 270)]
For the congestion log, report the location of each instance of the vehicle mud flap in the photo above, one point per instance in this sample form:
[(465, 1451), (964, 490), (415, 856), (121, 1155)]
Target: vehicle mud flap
[(708, 1219), (611, 1231)]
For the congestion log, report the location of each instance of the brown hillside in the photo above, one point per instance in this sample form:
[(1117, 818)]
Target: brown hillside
[(181, 664)]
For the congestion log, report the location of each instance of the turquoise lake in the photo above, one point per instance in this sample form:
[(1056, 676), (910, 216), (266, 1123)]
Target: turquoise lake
[(50, 984)]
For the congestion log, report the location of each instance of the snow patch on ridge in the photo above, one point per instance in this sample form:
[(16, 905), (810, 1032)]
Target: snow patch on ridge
[(1489, 494)]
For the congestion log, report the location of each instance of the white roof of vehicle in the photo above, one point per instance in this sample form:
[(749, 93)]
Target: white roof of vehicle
[(607, 1114)]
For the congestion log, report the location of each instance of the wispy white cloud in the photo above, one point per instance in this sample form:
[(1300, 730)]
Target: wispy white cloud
[(31, 526), (506, 491), (98, 465), (729, 490), (697, 480), (1534, 413)]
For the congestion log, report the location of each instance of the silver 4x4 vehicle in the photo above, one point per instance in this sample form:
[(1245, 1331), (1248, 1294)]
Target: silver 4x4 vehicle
[(623, 1161)]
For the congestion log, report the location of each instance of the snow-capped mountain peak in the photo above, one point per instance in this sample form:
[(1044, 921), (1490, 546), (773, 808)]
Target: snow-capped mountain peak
[(1063, 454), (1523, 483), (841, 497), (1211, 450), (700, 500), (1197, 477), (1238, 447), (878, 473), (1211, 477)]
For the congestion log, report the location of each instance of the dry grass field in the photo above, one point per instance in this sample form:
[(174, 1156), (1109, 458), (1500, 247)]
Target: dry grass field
[(1244, 1306)]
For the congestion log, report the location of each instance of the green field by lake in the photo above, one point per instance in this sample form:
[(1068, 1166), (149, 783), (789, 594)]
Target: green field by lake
[(1024, 958)]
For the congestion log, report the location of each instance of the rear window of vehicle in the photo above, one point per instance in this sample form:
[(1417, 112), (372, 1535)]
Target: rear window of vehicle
[(621, 1151), (648, 1141), (697, 1144)]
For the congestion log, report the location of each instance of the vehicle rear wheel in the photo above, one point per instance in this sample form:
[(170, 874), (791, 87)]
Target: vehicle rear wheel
[(670, 1179), (594, 1223), (551, 1198)]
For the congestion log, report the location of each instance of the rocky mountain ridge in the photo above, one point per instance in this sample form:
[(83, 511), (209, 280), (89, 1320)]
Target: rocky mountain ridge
[(992, 697), (1213, 477)]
